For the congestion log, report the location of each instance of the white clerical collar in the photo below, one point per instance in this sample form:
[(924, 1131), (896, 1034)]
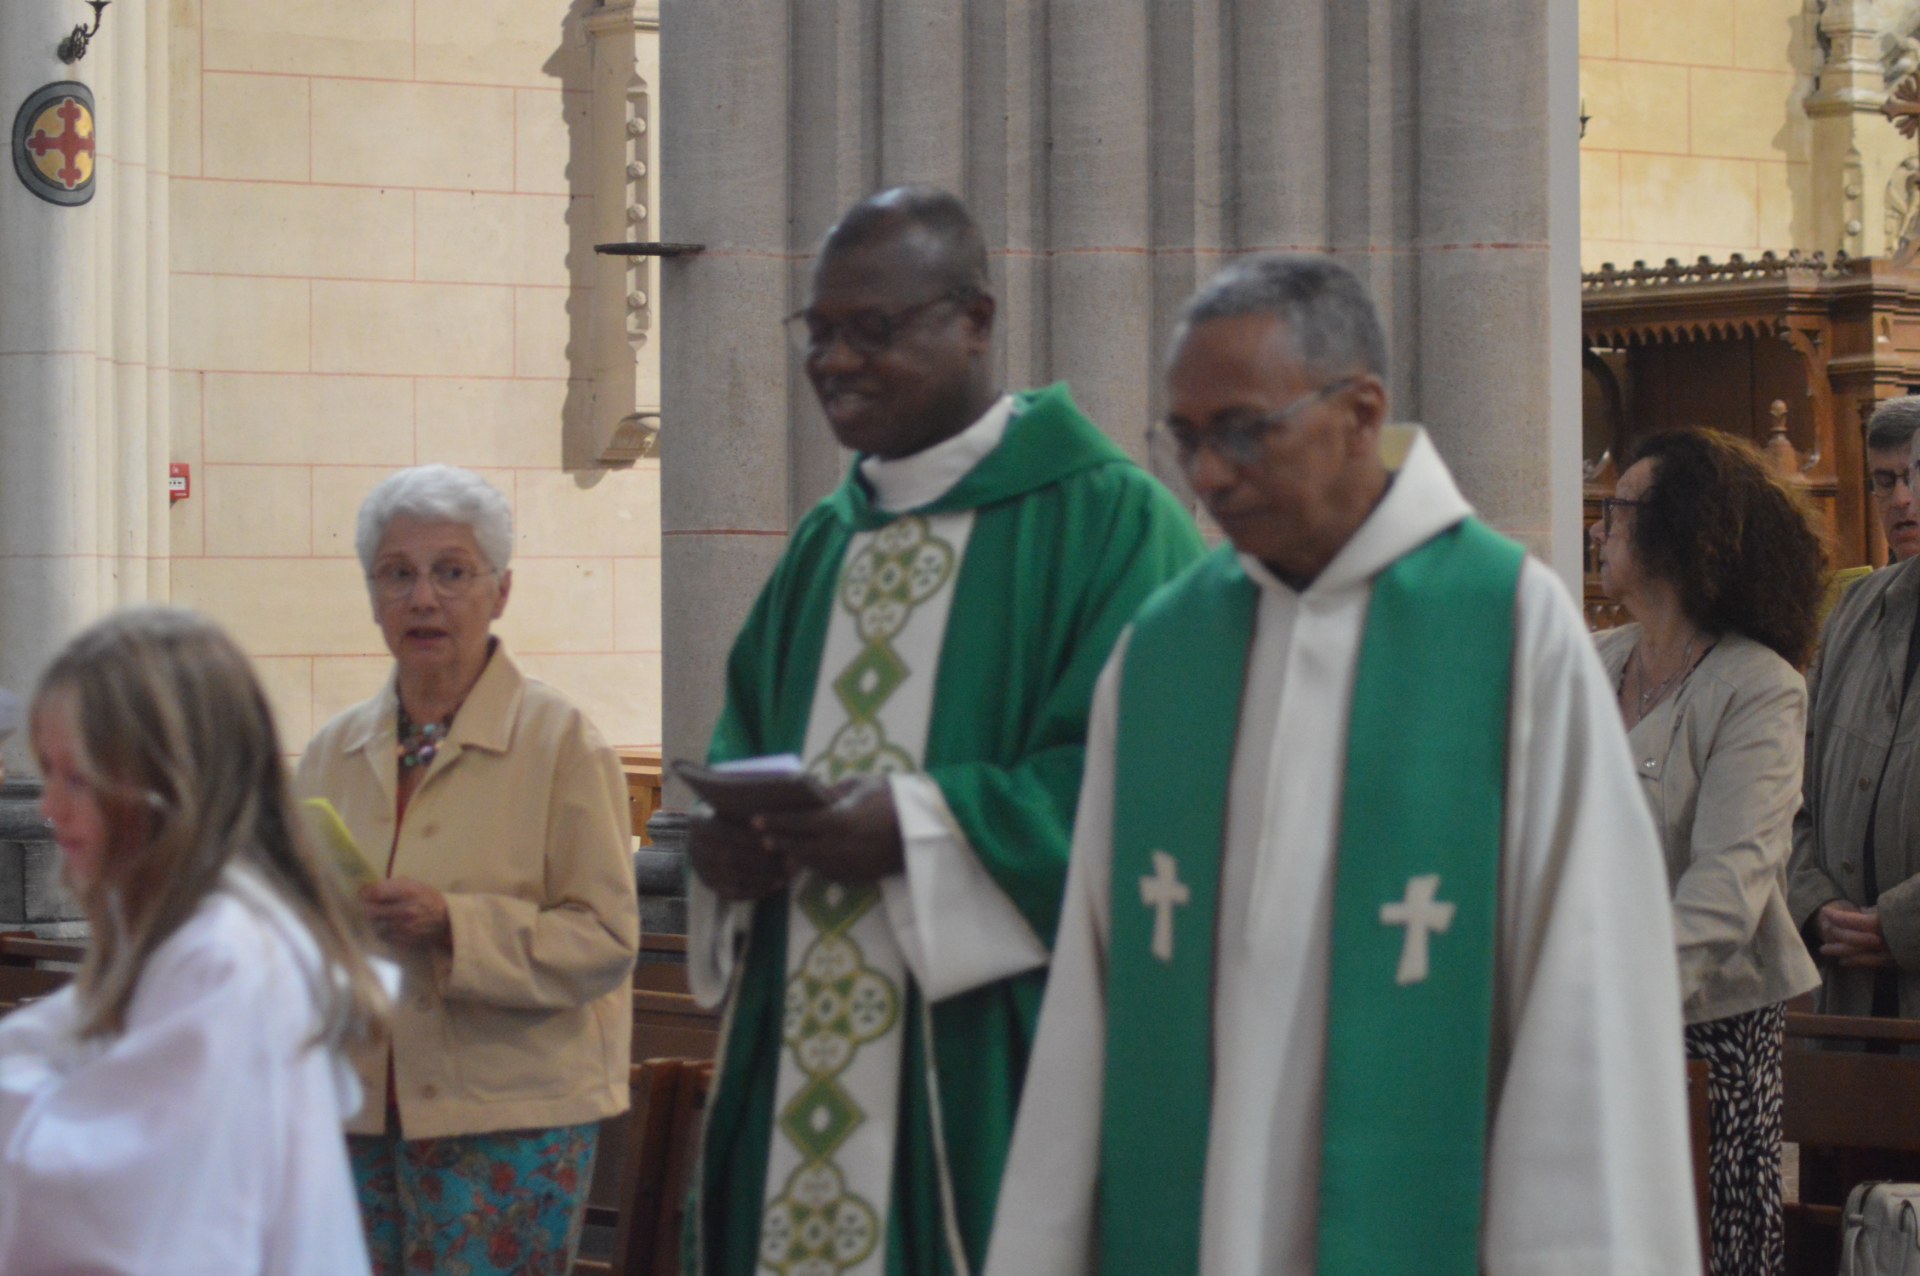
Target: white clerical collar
[(926, 476), (1421, 502)]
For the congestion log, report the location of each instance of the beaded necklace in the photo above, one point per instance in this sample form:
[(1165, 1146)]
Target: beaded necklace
[(419, 743)]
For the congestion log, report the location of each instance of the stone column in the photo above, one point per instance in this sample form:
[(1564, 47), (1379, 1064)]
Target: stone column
[(1116, 152), (727, 389), (83, 353)]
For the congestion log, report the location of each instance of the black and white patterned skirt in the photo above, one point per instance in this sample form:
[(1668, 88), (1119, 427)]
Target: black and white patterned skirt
[(1743, 1055)]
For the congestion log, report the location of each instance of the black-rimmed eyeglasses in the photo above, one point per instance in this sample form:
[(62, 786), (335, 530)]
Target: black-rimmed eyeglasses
[(866, 333), (1611, 503), (1884, 481)]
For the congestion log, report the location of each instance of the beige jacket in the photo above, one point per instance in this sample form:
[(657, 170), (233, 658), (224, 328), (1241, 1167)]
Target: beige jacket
[(1719, 761), (522, 823), (1863, 759)]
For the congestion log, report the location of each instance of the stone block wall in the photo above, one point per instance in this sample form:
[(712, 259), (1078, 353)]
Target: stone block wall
[(380, 249), (1698, 141)]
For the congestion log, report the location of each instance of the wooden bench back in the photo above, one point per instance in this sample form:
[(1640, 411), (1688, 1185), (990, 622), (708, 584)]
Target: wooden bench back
[(1845, 1098), (24, 967), (1843, 1101), (663, 1139), (1700, 1131)]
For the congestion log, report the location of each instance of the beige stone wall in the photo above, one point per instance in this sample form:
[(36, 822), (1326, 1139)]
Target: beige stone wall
[(1698, 141), (379, 251)]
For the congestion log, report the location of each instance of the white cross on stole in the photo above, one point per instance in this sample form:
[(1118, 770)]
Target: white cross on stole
[(1422, 915), (1163, 892)]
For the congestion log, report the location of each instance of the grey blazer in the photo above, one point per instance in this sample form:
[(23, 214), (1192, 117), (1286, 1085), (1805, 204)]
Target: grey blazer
[(1719, 761), (1863, 764)]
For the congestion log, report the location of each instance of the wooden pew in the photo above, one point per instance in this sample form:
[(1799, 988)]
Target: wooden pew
[(1849, 1101), (669, 1103), (670, 1025), (24, 948), (666, 1024), (1699, 1130), (27, 967), (663, 964)]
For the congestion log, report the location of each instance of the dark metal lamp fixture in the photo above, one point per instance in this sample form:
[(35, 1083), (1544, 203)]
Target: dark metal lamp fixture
[(74, 47)]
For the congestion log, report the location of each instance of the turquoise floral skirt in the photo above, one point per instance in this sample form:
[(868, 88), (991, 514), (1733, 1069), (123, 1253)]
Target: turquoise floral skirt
[(474, 1204)]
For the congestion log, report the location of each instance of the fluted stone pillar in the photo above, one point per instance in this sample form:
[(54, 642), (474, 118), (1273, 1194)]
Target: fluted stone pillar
[(83, 345), (1116, 153)]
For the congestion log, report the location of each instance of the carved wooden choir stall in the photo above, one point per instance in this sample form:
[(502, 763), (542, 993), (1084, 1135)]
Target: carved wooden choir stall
[(1791, 352)]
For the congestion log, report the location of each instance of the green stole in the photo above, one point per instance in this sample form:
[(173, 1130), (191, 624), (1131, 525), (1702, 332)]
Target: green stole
[(1403, 1148), (1071, 537)]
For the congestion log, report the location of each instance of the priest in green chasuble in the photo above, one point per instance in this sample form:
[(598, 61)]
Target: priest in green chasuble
[(928, 647), (1365, 963)]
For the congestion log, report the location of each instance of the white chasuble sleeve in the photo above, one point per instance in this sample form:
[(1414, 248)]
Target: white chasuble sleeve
[(1044, 1223), (1588, 1167), (715, 930), (956, 928)]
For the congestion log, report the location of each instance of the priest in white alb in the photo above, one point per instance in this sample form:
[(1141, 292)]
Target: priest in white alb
[(1366, 959), (928, 646)]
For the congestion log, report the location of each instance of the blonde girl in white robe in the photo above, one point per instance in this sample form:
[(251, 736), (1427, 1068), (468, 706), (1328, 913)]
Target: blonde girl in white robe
[(178, 1107)]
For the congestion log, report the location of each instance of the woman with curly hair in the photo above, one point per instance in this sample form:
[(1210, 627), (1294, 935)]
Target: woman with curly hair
[(1715, 561)]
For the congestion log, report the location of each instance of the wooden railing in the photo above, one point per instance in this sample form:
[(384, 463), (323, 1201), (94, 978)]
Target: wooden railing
[(643, 770)]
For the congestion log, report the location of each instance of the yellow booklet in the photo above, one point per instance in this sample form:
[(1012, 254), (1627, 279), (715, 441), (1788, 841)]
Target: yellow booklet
[(337, 840)]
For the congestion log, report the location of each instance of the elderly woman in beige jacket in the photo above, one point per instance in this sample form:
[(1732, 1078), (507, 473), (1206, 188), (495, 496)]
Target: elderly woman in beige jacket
[(1717, 565), (494, 819)]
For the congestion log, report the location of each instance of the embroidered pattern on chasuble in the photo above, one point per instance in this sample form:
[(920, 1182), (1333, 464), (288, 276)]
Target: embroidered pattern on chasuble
[(830, 1166)]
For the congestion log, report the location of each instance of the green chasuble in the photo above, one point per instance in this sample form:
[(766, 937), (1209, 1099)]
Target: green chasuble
[(1069, 538), (1409, 1015)]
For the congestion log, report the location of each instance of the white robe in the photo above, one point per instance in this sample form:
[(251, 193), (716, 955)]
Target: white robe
[(1588, 1166), (204, 1138)]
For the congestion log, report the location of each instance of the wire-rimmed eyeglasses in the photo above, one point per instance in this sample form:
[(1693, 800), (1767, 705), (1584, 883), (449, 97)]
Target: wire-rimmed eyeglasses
[(395, 582), (1241, 441)]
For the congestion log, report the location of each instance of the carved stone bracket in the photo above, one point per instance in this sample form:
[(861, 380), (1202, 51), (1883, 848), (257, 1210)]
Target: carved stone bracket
[(624, 328)]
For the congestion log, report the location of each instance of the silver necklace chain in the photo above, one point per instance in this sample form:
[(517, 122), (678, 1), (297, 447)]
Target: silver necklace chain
[(1651, 695)]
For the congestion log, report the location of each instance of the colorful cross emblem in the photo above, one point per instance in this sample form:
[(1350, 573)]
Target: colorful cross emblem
[(53, 143)]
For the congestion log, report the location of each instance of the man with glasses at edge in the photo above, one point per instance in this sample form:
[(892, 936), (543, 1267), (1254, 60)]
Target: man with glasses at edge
[(1366, 961), (1854, 884), (927, 646), (1889, 436)]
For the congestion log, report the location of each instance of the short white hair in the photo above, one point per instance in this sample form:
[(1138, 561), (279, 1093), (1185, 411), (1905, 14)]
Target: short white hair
[(438, 494)]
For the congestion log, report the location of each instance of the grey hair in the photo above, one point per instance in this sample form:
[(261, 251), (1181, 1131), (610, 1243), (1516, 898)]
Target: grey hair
[(438, 494), (1331, 320), (1893, 424)]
